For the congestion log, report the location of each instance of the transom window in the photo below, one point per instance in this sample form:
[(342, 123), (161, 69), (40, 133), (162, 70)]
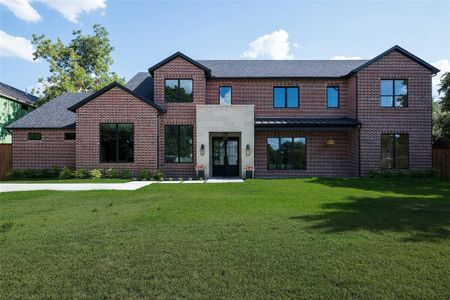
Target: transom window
[(286, 153), (393, 93), (116, 143), (34, 136), (178, 143), (394, 151), (69, 136), (178, 90), (332, 96), (225, 95), (285, 97)]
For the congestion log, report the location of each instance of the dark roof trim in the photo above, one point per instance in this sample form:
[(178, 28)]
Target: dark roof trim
[(107, 88), (280, 77), (175, 55), (18, 100), (418, 60), (293, 123)]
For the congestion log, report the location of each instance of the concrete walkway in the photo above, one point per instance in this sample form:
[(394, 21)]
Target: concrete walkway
[(21, 187)]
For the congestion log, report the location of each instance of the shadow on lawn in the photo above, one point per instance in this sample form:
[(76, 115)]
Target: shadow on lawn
[(424, 219)]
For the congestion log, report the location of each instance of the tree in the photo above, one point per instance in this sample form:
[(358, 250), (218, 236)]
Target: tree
[(441, 125), (445, 90), (82, 65)]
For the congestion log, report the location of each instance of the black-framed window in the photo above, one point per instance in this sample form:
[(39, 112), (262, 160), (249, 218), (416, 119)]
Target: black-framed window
[(332, 96), (286, 97), (394, 93), (394, 151), (178, 143), (286, 153), (225, 93), (178, 90), (34, 136), (69, 136), (116, 143)]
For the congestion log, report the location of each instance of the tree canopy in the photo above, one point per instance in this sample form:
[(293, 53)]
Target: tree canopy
[(441, 113), (81, 65)]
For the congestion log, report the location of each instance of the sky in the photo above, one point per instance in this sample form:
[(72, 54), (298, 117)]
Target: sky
[(145, 32)]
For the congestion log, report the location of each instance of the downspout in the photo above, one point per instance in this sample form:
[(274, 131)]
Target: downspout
[(359, 129), (157, 140)]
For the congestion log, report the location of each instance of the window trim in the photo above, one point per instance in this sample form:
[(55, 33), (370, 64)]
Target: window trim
[(231, 88), (178, 96), (279, 143), (34, 132), (117, 143), (286, 97), (338, 95), (67, 133), (393, 93), (394, 152), (178, 144)]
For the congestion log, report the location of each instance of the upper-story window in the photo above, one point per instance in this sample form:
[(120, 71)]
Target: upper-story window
[(332, 96), (178, 90), (285, 97), (394, 93), (34, 136), (225, 95)]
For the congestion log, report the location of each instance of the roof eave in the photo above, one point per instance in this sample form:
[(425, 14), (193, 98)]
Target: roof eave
[(185, 57)]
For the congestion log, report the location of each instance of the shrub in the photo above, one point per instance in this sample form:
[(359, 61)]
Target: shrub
[(81, 174), (125, 174), (145, 174), (374, 174), (29, 173), (44, 173), (54, 172), (96, 174), (67, 173), (112, 173), (14, 174), (158, 175)]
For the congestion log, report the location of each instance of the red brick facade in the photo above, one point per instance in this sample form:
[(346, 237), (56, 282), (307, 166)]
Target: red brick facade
[(356, 152)]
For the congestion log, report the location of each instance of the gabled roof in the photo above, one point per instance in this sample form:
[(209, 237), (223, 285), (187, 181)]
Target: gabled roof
[(418, 60), (107, 88), (185, 57), (17, 95)]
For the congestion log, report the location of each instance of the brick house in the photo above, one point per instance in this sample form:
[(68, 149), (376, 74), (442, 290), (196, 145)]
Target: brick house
[(286, 118)]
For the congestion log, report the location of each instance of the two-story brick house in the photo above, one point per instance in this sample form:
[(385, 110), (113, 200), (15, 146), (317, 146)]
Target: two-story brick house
[(285, 118)]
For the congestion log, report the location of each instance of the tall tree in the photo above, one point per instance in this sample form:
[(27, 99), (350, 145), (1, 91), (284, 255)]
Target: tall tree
[(444, 89), (81, 65)]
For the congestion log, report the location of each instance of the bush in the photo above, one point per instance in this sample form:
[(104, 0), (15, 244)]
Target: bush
[(112, 173), (81, 174), (158, 175), (374, 174), (44, 173), (125, 174), (145, 175), (67, 173), (29, 174), (54, 172), (14, 174), (96, 174)]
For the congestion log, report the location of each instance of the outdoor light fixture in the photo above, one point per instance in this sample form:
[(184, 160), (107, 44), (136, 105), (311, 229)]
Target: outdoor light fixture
[(247, 149), (330, 141), (202, 149)]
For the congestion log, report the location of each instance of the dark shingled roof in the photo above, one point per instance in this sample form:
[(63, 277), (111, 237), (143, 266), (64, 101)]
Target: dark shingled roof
[(53, 114), (280, 68), (141, 84), (17, 95), (306, 122)]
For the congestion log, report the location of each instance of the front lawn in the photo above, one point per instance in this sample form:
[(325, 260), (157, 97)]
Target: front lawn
[(296, 238)]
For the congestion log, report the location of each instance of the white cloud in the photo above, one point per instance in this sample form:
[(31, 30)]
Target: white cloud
[(73, 8), (15, 46), (22, 9), (444, 66), (272, 46), (343, 57)]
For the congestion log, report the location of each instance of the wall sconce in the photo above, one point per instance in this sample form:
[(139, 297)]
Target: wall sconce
[(202, 149), (247, 150), (330, 141)]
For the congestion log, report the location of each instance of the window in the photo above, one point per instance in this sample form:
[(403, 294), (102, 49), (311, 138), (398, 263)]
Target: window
[(394, 151), (34, 136), (394, 93), (178, 143), (116, 143), (332, 96), (286, 153), (285, 97), (178, 90), (69, 136), (225, 95)]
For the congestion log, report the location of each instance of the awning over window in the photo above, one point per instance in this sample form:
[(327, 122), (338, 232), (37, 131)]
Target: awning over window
[(305, 123)]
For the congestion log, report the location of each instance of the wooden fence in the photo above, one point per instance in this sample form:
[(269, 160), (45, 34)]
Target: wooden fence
[(5, 160), (441, 160)]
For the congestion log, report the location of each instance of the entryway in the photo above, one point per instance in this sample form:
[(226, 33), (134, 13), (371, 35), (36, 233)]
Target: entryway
[(225, 157)]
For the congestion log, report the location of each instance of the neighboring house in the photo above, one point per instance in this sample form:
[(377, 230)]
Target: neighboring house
[(14, 104), (286, 118)]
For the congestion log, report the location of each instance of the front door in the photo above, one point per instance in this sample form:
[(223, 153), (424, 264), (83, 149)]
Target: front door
[(225, 157)]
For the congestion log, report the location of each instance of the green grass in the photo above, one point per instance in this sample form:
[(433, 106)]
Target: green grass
[(296, 238), (101, 180)]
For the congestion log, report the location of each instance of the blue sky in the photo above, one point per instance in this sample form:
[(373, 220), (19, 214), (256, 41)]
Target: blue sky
[(145, 32)]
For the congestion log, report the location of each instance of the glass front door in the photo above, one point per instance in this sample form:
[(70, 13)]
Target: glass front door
[(225, 157)]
